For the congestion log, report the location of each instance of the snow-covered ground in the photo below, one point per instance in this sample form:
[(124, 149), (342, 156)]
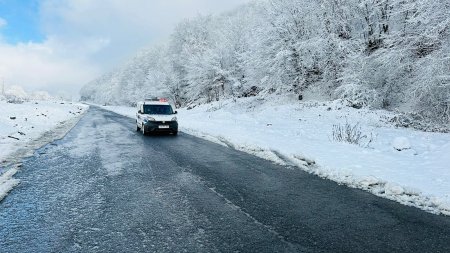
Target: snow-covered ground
[(28, 126), (290, 132)]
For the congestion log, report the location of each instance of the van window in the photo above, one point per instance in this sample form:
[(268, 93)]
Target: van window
[(158, 109)]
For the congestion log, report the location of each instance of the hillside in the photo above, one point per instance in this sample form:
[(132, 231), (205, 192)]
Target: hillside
[(379, 54)]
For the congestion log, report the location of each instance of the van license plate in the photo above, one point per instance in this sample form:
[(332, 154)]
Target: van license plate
[(164, 126)]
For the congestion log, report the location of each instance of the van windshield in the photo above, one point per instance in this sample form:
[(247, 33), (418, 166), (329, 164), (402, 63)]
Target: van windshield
[(158, 109)]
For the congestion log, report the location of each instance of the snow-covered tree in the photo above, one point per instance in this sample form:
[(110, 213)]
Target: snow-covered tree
[(391, 54)]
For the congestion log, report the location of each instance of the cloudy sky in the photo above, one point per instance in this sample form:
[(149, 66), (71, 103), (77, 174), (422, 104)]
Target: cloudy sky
[(59, 45)]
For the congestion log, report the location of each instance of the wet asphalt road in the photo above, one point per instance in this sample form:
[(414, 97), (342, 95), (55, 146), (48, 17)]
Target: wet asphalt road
[(107, 188)]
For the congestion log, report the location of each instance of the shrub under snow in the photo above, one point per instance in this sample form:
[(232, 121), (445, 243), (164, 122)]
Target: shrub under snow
[(351, 134), (401, 143)]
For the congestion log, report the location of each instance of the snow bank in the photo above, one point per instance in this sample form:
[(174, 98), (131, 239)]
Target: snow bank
[(28, 126), (292, 133)]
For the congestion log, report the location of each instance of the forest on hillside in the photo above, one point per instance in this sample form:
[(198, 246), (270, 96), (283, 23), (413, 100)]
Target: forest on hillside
[(381, 54)]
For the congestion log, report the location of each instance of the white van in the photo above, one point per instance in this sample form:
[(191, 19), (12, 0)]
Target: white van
[(156, 115)]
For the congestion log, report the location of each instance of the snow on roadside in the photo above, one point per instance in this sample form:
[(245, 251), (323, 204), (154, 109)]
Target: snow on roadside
[(7, 182), (28, 126), (408, 166)]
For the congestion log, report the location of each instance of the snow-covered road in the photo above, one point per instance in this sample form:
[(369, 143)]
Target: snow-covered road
[(106, 188), (287, 131)]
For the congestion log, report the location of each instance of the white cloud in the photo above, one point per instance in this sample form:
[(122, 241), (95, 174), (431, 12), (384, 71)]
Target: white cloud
[(128, 25), (85, 38), (43, 67)]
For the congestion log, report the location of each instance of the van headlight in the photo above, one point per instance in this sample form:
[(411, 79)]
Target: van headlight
[(149, 119), (174, 119)]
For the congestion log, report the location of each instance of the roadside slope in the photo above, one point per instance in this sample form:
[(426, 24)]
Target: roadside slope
[(28, 126)]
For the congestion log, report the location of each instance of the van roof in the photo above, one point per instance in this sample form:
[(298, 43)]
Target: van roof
[(153, 103)]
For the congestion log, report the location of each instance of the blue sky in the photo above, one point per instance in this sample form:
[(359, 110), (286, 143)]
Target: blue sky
[(22, 17)]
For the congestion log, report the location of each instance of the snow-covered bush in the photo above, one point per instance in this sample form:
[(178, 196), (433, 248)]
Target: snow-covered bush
[(40, 95), (357, 95), (431, 89), (401, 143), (16, 95)]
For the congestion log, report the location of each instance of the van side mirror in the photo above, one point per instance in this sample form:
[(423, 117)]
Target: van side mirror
[(175, 112), (140, 112)]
